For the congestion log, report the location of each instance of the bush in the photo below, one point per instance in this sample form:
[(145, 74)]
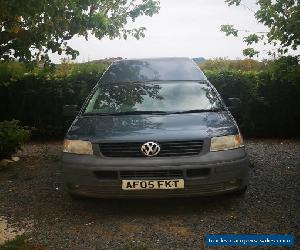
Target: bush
[(270, 98), (280, 89), (243, 85), (11, 137), (221, 64), (11, 71), (37, 98)]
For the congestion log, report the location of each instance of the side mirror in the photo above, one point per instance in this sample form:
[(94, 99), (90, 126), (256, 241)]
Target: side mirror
[(70, 111), (234, 104)]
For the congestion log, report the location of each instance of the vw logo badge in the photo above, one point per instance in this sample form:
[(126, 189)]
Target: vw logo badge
[(150, 148)]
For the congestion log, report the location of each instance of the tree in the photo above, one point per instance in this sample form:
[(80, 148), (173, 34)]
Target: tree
[(31, 29), (281, 17)]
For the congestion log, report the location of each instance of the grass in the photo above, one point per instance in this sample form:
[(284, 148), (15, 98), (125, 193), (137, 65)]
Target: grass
[(135, 245), (18, 243)]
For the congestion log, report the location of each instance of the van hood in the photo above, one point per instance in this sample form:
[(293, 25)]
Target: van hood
[(152, 127)]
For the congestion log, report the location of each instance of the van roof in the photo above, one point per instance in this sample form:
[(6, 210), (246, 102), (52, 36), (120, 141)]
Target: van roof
[(153, 69)]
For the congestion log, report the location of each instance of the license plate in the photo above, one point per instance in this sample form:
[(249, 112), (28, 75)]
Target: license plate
[(152, 184)]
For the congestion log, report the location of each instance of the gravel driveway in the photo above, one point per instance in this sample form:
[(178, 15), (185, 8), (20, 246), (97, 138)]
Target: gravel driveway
[(33, 197)]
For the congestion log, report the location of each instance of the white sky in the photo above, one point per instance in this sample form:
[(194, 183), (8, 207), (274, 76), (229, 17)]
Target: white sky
[(182, 28)]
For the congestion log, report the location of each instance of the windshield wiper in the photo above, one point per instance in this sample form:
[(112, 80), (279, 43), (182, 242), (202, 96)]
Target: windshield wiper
[(145, 112), (95, 113), (196, 111), (129, 113), (136, 112)]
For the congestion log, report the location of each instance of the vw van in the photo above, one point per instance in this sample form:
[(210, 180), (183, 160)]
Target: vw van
[(154, 128)]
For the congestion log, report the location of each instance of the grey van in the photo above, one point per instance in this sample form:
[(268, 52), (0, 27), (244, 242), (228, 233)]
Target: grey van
[(154, 128)]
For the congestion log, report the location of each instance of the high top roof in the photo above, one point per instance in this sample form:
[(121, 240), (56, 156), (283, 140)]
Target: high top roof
[(153, 69)]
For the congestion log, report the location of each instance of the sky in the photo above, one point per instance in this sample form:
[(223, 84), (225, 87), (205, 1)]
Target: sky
[(189, 28)]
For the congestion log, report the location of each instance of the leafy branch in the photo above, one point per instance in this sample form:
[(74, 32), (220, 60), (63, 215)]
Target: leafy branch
[(281, 17), (31, 29)]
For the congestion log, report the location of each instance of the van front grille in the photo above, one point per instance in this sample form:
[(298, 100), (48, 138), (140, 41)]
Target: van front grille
[(167, 148)]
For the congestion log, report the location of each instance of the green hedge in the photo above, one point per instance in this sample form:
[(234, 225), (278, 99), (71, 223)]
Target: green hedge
[(270, 97), (36, 99)]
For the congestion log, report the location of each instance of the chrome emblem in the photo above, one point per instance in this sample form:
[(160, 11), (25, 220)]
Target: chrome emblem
[(150, 148)]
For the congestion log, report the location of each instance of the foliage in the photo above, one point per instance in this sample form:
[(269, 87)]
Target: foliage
[(135, 245), (37, 98), (12, 71), (250, 52), (31, 29), (244, 85), (18, 243), (281, 17), (280, 88), (229, 29), (225, 64), (11, 137), (270, 98)]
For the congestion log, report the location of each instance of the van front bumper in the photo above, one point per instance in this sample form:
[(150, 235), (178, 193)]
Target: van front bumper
[(208, 174)]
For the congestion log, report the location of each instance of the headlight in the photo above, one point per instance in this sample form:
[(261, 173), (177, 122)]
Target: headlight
[(226, 142), (78, 147)]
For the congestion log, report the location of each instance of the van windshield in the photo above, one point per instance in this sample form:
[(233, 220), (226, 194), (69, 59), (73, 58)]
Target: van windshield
[(164, 97)]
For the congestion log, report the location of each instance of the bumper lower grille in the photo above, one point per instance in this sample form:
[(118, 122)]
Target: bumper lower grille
[(167, 149), (154, 174)]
